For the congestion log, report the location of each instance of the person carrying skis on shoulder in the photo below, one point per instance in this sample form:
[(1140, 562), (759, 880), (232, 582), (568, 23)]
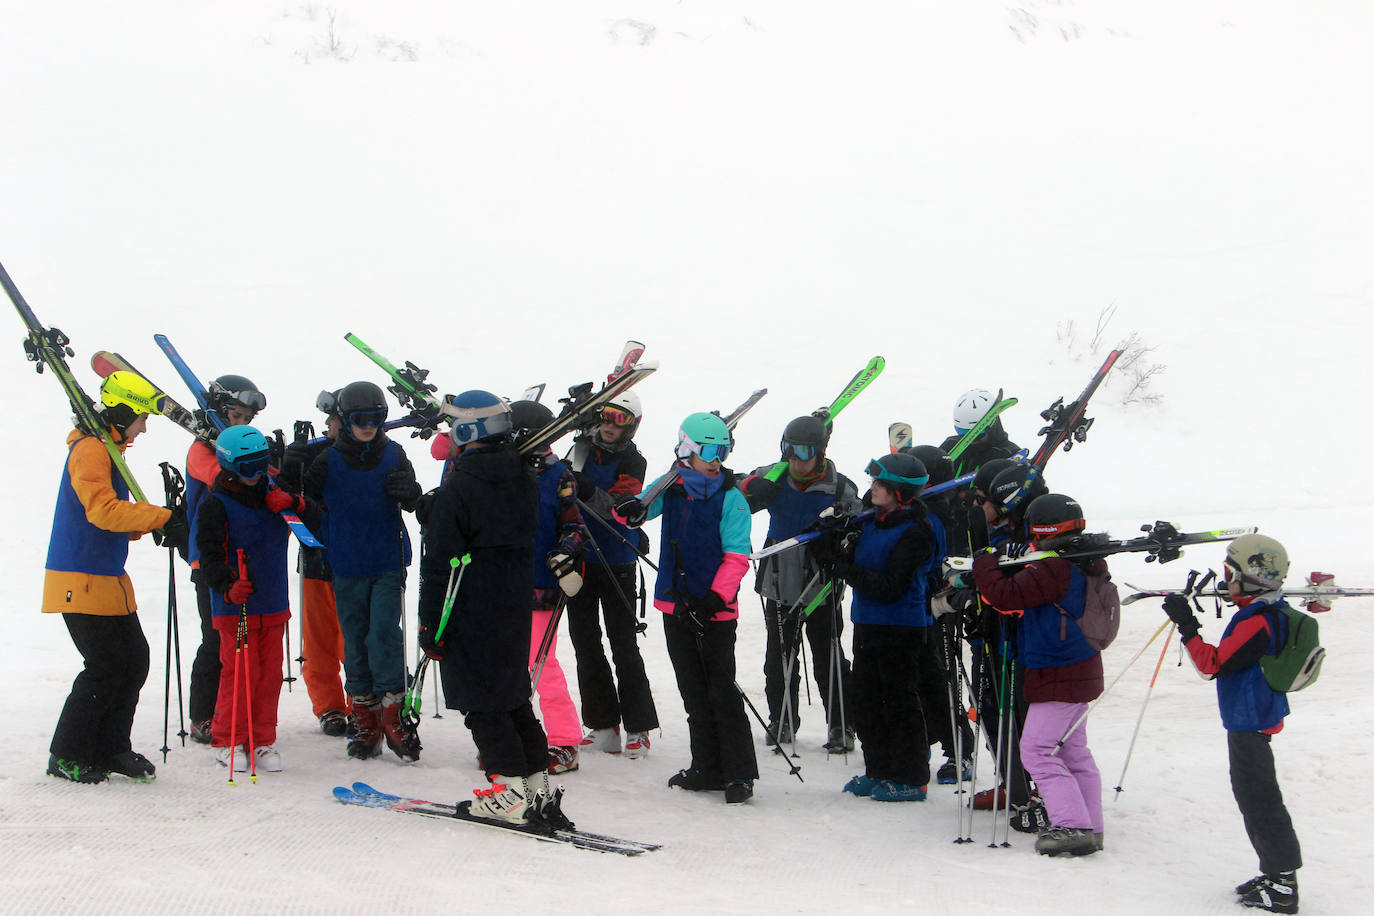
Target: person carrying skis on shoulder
[(703, 555), (788, 581), (236, 401), (85, 582), (365, 482), (1063, 672), (887, 564), (243, 543), (322, 641), (1252, 711), (488, 508), (939, 676), (558, 546), (992, 445), (609, 467)]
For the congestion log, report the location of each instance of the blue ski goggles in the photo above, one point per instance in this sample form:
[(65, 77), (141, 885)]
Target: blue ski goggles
[(799, 452), (251, 467), (365, 418), (878, 472), (713, 452)]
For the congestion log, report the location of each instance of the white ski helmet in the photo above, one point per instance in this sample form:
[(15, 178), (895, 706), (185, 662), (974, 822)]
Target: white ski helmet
[(971, 407), (1260, 562), (614, 411)]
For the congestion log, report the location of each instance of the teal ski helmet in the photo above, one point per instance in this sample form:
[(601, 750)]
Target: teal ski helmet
[(706, 436), (242, 450)]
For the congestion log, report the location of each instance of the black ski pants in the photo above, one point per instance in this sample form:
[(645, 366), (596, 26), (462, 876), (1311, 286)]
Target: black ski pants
[(782, 646), (602, 705), (717, 725), (99, 713), (510, 742), (887, 704), (1256, 788), (205, 667)]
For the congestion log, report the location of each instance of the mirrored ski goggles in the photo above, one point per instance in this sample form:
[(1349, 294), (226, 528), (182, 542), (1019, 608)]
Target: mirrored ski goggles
[(365, 418), (617, 416), (878, 472), (799, 452), (251, 467), (713, 452)]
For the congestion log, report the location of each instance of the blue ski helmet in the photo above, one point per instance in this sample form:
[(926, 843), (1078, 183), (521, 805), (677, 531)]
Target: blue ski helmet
[(904, 474), (477, 416), (242, 450)]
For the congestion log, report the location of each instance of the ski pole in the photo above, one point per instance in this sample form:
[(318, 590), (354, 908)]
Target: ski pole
[(588, 510), (173, 486), (1135, 658), (410, 706), (546, 644), (248, 670), (1149, 691)]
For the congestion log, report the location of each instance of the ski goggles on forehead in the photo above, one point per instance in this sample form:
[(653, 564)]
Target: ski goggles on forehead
[(325, 402), (617, 416), (255, 401), (365, 418), (878, 472), (799, 452)]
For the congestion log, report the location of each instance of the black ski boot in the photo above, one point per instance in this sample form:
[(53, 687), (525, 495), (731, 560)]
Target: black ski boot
[(1275, 893), (132, 765), (76, 772)]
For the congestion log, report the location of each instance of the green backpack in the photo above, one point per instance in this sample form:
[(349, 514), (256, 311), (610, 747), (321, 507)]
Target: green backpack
[(1298, 659)]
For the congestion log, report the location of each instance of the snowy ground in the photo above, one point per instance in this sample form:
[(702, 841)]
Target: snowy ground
[(767, 194)]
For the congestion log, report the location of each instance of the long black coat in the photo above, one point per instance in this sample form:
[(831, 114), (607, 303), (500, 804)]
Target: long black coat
[(487, 507)]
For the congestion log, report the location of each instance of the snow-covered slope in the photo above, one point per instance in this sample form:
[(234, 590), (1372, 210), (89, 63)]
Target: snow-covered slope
[(768, 194)]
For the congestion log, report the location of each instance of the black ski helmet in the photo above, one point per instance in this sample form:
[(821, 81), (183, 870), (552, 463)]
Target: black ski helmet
[(937, 463), (1015, 488), (809, 432), (987, 473), (529, 416), (360, 396), (1053, 515), (904, 474), (235, 391)]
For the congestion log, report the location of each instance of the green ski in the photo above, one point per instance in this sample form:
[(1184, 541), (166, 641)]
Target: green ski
[(858, 383)]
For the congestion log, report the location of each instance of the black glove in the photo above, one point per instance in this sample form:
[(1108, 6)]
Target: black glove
[(176, 532), (434, 650), (585, 488), (423, 505), (697, 612), (977, 529), (294, 462), (762, 491), (402, 486), (632, 510), (1181, 613)]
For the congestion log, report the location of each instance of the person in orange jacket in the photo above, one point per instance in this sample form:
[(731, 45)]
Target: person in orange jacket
[(86, 583)]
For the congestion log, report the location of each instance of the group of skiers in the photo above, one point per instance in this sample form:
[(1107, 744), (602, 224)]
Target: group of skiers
[(514, 539)]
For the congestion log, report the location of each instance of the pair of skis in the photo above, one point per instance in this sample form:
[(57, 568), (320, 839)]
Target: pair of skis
[(364, 795), (412, 390), (1162, 541), (49, 347), (1318, 594)]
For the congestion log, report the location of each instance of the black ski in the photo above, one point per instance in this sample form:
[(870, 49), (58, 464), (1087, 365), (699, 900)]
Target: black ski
[(1162, 541)]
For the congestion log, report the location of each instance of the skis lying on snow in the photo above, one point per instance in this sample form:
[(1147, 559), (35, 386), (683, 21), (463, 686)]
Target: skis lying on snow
[(1162, 541), (1317, 595), (365, 796)]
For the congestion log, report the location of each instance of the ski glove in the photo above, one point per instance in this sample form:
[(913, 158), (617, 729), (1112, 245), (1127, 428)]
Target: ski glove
[(278, 500), (696, 613), (432, 649), (238, 592), (566, 569), (761, 491), (176, 531), (632, 511), (1181, 613), (402, 486), (586, 489), (977, 529)]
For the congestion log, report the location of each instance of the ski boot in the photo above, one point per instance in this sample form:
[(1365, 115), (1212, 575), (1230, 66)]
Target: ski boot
[(602, 739), (739, 791), (562, 759), (1275, 893), (401, 737), (547, 802), (695, 781), (1066, 841), (506, 799), (334, 723), (888, 791), (76, 772), (132, 765), (636, 745), (367, 728), (839, 740)]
